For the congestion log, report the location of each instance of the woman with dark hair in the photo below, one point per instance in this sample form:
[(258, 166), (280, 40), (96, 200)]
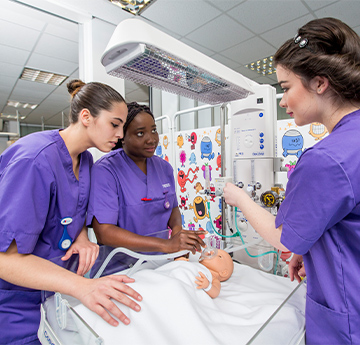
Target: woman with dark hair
[(133, 193), (319, 220), (44, 192)]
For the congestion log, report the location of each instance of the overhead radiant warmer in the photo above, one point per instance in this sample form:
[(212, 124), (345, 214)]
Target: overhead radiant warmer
[(145, 55)]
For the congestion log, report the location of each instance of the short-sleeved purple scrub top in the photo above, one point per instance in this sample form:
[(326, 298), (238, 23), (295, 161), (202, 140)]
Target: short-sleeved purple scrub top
[(121, 194), (37, 189), (320, 219)]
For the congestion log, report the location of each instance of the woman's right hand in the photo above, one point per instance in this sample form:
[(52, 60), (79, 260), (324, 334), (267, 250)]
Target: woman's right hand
[(186, 240), (296, 268), (98, 295)]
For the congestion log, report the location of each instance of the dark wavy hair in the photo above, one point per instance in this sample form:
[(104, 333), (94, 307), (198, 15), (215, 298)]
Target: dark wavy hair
[(332, 51), (133, 109)]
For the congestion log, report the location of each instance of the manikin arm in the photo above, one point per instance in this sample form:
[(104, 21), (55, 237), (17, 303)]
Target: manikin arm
[(211, 288)]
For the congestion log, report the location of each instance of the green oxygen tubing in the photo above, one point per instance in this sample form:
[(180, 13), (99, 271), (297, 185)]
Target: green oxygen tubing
[(238, 234)]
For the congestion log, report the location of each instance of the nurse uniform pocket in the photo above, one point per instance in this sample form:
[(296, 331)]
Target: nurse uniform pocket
[(19, 316), (324, 325)]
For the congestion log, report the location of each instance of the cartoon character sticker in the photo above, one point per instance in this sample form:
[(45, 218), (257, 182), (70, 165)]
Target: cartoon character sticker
[(180, 141), (182, 158), (292, 143), (206, 148), (199, 207), (165, 142), (317, 130), (158, 151), (183, 178), (218, 136), (192, 158)]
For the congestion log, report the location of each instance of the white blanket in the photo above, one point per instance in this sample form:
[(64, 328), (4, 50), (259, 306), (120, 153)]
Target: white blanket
[(175, 312)]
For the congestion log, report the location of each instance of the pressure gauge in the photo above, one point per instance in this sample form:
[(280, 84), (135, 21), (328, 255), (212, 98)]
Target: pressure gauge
[(269, 199)]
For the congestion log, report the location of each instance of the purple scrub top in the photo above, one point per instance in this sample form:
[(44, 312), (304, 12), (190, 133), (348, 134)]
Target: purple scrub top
[(320, 219), (37, 189), (121, 194)]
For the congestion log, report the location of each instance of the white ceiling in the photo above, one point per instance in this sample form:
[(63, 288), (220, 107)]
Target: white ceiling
[(233, 32)]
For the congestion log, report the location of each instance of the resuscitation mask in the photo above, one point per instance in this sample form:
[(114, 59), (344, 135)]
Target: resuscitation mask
[(209, 252)]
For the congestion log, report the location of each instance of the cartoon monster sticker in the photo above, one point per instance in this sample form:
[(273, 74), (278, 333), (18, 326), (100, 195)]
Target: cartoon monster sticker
[(191, 226), (183, 201), (182, 178), (192, 158), (180, 141), (199, 207), (291, 167), (218, 162), (217, 222), (193, 139), (198, 187), (209, 227), (165, 141), (317, 130), (159, 151), (203, 168), (292, 143), (183, 221), (182, 158), (218, 136), (206, 148)]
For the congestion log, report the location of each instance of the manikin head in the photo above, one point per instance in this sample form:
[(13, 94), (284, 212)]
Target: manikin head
[(221, 263)]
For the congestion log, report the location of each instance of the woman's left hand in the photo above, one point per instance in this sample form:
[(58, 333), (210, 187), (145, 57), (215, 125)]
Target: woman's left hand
[(87, 250)]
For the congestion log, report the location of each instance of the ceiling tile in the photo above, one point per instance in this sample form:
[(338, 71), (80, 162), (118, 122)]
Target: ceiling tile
[(259, 16), (60, 48), (197, 46), (219, 34), (67, 30), (348, 11), (15, 55), (317, 4), (253, 49), (10, 70), (10, 13), (225, 5), (279, 35), (225, 61), (18, 36), (181, 16), (51, 64)]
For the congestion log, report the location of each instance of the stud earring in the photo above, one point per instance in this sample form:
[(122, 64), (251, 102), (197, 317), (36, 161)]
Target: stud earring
[(319, 90)]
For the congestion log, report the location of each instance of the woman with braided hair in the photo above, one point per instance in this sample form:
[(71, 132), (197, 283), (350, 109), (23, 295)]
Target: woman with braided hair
[(319, 220), (133, 193)]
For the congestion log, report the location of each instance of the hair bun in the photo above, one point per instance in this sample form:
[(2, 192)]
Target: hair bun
[(74, 86)]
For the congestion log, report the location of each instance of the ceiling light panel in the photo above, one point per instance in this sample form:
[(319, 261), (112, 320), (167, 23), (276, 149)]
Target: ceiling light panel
[(133, 6), (43, 77), (264, 66)]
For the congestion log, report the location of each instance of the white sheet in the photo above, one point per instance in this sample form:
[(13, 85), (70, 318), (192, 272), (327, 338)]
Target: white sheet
[(175, 312)]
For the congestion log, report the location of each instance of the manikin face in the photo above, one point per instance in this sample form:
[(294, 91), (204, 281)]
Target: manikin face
[(299, 102), (107, 128), (221, 263), (142, 138)]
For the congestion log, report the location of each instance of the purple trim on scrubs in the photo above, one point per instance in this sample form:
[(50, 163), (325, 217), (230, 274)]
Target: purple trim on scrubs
[(37, 189), (118, 187), (320, 219)]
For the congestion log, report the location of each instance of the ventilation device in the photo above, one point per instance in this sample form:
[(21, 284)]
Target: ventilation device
[(141, 53)]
